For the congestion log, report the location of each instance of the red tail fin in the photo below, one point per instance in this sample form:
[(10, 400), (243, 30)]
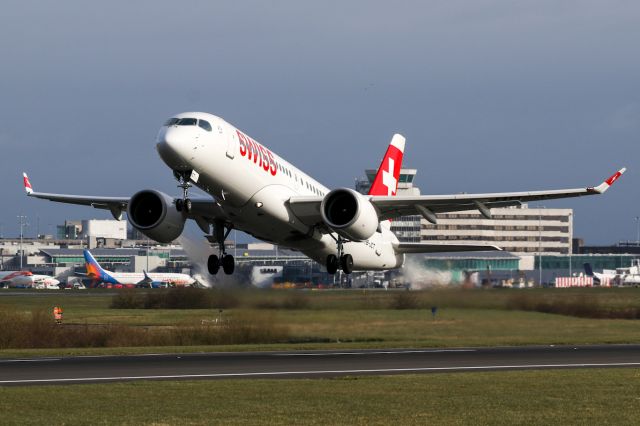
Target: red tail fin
[(386, 181)]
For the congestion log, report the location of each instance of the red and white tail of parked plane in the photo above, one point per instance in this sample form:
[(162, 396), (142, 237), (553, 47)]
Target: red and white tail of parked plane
[(254, 190), (27, 279)]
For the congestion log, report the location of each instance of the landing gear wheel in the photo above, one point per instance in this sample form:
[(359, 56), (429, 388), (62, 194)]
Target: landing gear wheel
[(332, 264), (213, 264), (347, 263), (228, 264), (185, 184), (220, 233)]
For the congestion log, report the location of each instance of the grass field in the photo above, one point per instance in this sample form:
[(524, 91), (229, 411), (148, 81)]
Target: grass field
[(340, 319), (567, 397), (330, 319)]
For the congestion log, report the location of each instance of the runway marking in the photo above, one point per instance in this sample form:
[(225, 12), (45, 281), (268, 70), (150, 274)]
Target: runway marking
[(6, 361), (285, 373), (426, 351)]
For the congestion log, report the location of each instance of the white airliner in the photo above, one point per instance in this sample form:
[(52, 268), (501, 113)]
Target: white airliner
[(254, 190), (132, 279), (26, 279), (620, 276)]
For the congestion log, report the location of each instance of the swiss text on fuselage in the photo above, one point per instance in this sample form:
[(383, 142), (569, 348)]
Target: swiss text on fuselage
[(260, 155)]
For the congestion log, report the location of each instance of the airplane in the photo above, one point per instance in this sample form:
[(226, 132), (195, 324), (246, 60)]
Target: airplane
[(620, 276), (132, 279), (252, 189), (26, 279)]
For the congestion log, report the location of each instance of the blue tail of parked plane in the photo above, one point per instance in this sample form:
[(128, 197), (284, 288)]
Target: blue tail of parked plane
[(588, 270), (95, 271)]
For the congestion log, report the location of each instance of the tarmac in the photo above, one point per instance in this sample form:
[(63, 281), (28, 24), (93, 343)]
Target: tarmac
[(309, 364)]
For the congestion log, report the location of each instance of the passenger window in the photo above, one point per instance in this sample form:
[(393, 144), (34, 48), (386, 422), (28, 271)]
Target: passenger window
[(205, 125)]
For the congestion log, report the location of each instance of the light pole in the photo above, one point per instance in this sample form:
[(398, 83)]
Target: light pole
[(539, 246), (22, 219), (637, 230), (571, 218)]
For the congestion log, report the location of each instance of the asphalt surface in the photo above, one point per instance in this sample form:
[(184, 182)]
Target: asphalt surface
[(97, 369)]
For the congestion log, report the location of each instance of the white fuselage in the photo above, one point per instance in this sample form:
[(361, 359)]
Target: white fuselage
[(24, 279), (135, 278), (252, 185), (622, 276)]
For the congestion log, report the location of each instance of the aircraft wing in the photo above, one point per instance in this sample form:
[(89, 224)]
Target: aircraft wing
[(307, 209), (442, 247), (429, 205), (203, 210), (115, 204)]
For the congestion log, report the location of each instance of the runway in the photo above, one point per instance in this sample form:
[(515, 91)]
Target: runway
[(308, 364)]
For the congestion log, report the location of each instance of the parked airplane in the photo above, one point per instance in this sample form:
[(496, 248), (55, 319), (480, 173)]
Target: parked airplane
[(620, 276), (256, 191), (132, 279), (26, 279)]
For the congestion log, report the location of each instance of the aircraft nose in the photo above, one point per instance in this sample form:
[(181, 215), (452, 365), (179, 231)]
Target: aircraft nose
[(172, 147)]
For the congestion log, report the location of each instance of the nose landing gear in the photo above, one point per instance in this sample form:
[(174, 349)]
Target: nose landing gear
[(344, 261), (220, 233), (183, 204)]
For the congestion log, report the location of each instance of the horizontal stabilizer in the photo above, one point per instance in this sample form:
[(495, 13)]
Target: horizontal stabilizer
[(442, 247)]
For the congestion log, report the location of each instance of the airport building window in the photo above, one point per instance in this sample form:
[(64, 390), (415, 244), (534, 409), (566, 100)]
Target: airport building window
[(205, 125)]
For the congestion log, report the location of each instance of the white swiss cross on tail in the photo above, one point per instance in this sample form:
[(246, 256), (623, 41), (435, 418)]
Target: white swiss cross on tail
[(386, 180)]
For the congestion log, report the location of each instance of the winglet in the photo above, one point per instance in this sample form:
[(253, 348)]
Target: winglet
[(600, 189), (27, 184)]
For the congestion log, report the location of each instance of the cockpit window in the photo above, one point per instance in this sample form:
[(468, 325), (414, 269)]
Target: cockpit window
[(187, 122), (205, 125)]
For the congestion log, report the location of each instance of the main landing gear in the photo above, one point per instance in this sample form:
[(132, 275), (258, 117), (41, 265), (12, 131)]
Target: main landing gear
[(184, 203), (344, 261), (220, 233)]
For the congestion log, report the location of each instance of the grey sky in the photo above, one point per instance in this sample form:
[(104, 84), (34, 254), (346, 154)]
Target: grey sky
[(491, 95)]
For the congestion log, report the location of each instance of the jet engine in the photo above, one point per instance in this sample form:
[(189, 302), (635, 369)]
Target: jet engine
[(155, 215), (349, 214)]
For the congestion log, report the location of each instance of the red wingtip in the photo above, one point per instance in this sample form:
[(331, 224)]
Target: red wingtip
[(607, 183), (615, 176)]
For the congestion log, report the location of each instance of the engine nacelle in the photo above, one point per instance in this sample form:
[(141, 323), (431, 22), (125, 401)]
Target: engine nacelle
[(155, 215), (349, 214)]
